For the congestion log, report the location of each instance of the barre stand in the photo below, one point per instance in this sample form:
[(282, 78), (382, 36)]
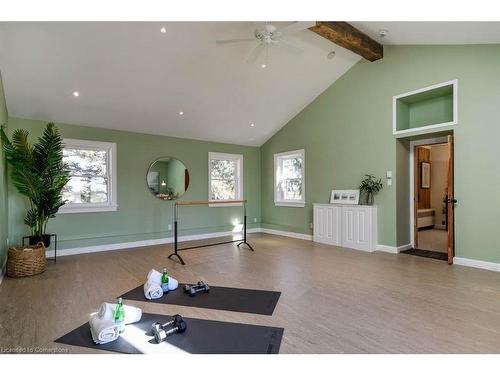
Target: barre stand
[(198, 203)]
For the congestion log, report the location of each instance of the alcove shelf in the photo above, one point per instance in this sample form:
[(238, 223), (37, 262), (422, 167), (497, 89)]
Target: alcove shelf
[(430, 108)]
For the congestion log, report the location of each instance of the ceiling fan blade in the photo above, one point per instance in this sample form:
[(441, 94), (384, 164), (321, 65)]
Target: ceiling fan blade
[(227, 41), (256, 52), (295, 27)]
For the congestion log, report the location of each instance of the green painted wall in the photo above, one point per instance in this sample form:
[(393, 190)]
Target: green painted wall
[(140, 215), (3, 184), (347, 132), (432, 111)]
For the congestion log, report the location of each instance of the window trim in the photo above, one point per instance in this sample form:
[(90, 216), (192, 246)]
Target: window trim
[(239, 188), (111, 205), (290, 202)]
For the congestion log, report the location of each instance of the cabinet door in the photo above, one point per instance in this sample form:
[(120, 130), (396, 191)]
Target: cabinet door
[(362, 231), (356, 228), (327, 224), (348, 227)]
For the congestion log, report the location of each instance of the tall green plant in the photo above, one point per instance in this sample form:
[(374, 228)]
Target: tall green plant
[(38, 172)]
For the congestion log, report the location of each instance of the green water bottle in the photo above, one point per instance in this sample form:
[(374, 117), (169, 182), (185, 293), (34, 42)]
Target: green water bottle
[(164, 281), (120, 314)]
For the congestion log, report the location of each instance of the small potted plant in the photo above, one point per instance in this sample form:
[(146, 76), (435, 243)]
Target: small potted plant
[(370, 186), (38, 173)]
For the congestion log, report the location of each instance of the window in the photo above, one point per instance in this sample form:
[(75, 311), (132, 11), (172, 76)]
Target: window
[(289, 179), (92, 167), (225, 181)]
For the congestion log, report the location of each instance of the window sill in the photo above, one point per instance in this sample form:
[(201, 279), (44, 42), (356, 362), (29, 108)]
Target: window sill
[(225, 204), (77, 210), (290, 204)]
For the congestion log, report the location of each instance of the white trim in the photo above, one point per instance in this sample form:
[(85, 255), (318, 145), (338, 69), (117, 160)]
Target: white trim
[(134, 244), (168, 240), (3, 269), (112, 204), (239, 166), (421, 142), (432, 127), (393, 249), (290, 203), (476, 264), (300, 236)]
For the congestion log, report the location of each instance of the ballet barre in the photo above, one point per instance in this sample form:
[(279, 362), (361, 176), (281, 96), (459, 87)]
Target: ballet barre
[(209, 203)]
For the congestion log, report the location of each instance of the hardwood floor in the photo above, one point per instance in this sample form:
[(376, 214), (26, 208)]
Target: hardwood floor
[(333, 300)]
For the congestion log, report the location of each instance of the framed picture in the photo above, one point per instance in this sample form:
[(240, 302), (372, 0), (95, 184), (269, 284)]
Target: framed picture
[(425, 175), (344, 196)]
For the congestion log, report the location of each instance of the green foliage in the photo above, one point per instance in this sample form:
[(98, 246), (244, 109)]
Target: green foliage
[(37, 172), (370, 186)]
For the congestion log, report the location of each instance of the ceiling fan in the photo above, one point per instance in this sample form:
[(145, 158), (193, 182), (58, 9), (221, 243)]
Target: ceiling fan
[(268, 36)]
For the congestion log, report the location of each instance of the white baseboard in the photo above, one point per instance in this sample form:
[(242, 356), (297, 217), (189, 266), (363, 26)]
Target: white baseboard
[(3, 270), (134, 244), (477, 264), (393, 249), (300, 236)]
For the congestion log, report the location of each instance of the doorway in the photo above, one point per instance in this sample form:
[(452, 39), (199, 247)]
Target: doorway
[(431, 198)]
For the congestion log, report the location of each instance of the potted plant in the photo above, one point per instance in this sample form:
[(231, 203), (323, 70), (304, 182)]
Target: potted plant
[(38, 172), (370, 186)]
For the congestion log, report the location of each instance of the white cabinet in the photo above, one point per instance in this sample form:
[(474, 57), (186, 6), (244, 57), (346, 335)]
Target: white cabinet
[(347, 226)]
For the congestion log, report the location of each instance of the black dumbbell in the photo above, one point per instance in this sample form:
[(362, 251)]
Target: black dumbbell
[(188, 287), (176, 319), (193, 290), (162, 334)]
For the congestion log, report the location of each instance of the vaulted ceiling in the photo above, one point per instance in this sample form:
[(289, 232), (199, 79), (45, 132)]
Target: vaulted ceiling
[(131, 76)]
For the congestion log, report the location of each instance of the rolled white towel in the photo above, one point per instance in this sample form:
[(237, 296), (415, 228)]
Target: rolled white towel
[(172, 283), (132, 314), (154, 276), (152, 290), (103, 330)]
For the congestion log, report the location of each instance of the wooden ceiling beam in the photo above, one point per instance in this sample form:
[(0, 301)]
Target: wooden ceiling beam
[(347, 36)]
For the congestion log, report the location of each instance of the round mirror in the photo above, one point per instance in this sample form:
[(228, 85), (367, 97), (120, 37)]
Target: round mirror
[(168, 178)]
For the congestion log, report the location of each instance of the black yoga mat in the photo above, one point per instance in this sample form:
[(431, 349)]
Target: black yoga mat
[(201, 337), (220, 298)]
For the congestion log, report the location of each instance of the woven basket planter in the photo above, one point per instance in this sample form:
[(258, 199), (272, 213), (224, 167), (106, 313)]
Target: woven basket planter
[(26, 260)]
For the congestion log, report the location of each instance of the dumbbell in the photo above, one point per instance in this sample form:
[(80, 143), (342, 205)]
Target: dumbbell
[(194, 289), (156, 327), (188, 287), (161, 335)]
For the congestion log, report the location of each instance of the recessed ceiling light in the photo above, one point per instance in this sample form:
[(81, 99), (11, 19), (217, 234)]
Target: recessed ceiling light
[(383, 33), (181, 113), (331, 55), (252, 124), (76, 94), (263, 66), (163, 30)]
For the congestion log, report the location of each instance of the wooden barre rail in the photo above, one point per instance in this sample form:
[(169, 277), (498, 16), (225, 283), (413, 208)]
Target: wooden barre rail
[(195, 203)]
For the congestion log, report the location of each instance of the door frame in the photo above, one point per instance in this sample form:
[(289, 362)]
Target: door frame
[(413, 144)]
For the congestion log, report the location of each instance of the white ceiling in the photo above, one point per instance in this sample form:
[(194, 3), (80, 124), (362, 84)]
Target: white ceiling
[(132, 77), (433, 32)]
